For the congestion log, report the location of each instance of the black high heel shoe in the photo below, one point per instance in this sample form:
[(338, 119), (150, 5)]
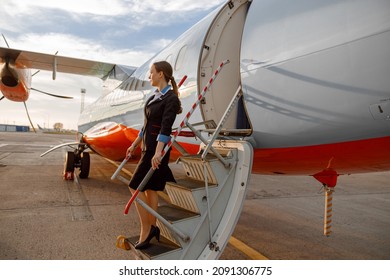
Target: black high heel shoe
[(154, 232)]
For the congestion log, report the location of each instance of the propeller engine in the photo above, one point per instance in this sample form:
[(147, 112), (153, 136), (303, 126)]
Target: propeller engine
[(9, 76), (15, 82)]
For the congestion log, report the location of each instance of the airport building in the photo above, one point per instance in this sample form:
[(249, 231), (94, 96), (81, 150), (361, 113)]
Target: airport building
[(14, 128)]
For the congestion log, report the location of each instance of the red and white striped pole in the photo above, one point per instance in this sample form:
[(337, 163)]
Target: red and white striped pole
[(128, 156), (328, 210), (169, 144)]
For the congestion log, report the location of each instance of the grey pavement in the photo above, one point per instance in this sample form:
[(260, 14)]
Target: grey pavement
[(44, 217)]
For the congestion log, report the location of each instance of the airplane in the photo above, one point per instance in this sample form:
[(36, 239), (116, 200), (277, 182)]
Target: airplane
[(16, 76), (305, 92)]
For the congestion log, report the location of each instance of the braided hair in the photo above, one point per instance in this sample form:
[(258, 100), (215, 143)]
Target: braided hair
[(166, 68)]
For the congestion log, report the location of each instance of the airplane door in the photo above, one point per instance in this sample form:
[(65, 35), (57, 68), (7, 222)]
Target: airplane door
[(222, 42)]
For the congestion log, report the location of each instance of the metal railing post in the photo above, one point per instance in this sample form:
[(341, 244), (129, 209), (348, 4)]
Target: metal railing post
[(183, 236), (222, 121)]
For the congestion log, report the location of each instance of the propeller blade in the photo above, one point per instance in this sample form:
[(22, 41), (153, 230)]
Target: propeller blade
[(28, 115), (5, 40), (35, 73), (54, 95)]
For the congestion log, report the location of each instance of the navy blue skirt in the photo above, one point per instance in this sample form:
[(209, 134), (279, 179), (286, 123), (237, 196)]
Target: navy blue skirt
[(160, 176)]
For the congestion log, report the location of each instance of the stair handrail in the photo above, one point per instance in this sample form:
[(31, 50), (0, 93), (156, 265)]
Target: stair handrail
[(206, 186), (208, 147), (170, 143), (196, 133), (205, 141), (225, 116), (211, 204), (179, 233)]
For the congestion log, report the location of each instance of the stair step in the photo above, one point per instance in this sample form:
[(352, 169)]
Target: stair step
[(230, 131), (174, 214), (189, 184), (168, 247), (215, 170), (155, 250), (193, 166), (181, 218), (189, 194)]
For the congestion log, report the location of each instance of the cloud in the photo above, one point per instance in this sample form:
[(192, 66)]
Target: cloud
[(93, 7), (171, 6), (146, 13), (126, 32), (135, 14), (117, 7), (70, 45)]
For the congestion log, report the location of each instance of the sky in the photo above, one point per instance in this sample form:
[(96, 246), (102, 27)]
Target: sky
[(127, 32)]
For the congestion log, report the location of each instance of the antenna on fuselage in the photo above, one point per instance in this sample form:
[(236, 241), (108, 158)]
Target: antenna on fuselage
[(83, 91), (55, 66)]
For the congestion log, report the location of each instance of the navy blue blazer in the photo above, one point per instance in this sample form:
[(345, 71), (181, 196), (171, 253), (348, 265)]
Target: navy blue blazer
[(159, 117)]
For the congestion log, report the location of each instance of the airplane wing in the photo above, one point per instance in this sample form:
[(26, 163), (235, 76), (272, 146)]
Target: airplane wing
[(63, 64)]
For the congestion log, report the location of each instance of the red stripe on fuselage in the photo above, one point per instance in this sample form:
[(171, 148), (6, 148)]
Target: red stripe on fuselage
[(112, 143), (345, 158)]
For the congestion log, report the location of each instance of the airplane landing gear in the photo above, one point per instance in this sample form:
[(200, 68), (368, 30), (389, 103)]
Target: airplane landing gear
[(77, 159), (69, 166)]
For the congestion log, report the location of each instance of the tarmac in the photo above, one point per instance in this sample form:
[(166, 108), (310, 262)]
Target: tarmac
[(43, 217)]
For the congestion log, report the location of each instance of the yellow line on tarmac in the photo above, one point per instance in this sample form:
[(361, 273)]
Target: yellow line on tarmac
[(250, 252), (239, 245)]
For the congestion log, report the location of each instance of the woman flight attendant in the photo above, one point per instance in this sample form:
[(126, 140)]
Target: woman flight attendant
[(159, 115)]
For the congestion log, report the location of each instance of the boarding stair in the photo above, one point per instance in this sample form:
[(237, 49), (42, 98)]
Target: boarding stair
[(203, 206)]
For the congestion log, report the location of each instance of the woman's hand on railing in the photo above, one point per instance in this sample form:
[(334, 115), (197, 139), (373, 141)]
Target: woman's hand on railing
[(130, 151), (156, 160)]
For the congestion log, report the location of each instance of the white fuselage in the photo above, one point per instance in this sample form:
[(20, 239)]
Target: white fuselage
[(312, 72)]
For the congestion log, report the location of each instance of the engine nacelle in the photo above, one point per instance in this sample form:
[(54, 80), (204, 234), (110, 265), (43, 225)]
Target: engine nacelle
[(8, 75), (14, 81)]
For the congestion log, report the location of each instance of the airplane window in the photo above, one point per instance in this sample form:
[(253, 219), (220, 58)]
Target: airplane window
[(131, 83), (139, 82), (146, 78), (180, 57)]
